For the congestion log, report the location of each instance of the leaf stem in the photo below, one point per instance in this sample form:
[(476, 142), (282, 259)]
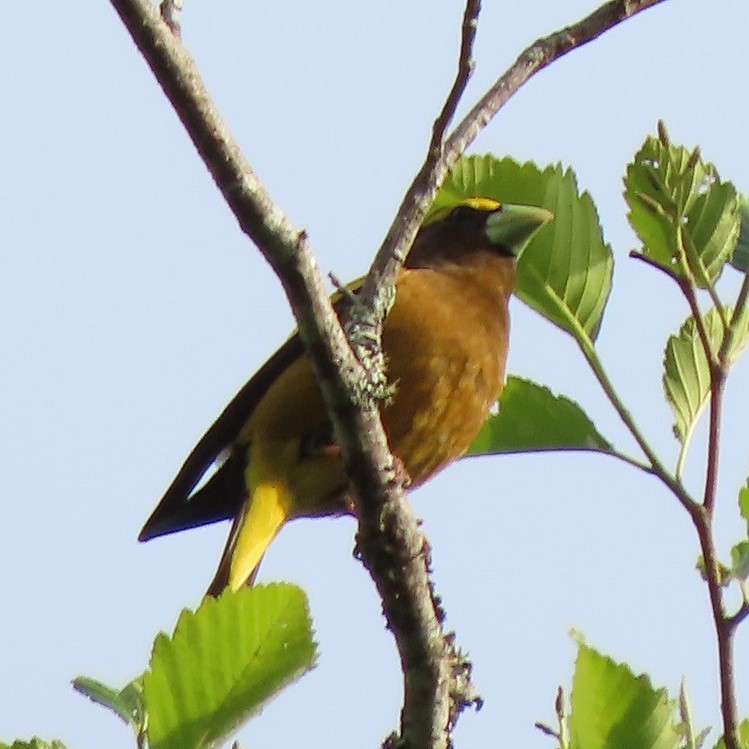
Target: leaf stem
[(656, 467), (630, 461), (681, 459), (738, 311)]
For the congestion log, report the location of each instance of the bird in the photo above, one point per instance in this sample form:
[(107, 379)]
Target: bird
[(445, 342)]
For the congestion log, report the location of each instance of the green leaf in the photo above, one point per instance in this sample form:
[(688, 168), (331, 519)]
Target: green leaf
[(711, 230), (740, 561), (614, 709), (744, 504), (126, 703), (565, 272), (686, 377), (743, 737), (531, 418), (660, 186), (35, 743), (686, 218), (224, 662), (686, 373), (740, 259)]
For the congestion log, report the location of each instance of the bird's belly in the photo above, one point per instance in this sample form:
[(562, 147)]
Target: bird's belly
[(447, 362), (438, 410)]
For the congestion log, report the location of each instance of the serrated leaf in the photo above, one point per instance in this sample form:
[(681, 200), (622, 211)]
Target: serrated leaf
[(740, 259), (686, 377), (660, 185), (565, 272), (531, 418), (126, 703), (743, 737), (611, 708), (35, 743), (686, 373), (683, 214), (224, 662)]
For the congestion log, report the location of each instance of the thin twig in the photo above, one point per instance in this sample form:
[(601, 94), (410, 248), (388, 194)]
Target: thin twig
[(537, 56), (392, 253), (740, 615), (717, 388), (466, 65), (725, 628)]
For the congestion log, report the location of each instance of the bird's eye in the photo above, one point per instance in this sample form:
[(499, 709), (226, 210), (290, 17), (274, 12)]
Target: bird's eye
[(317, 443)]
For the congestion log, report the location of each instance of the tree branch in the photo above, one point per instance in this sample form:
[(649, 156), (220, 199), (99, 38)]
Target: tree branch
[(536, 57), (437, 679)]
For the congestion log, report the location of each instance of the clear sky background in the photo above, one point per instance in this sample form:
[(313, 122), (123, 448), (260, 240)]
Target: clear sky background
[(132, 309)]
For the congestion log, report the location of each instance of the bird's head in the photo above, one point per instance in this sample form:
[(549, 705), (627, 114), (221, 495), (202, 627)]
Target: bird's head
[(475, 225)]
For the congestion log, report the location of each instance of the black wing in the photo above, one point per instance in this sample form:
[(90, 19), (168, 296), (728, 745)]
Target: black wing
[(223, 494)]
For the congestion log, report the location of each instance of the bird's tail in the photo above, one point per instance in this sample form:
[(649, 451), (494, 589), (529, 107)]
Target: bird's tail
[(254, 528)]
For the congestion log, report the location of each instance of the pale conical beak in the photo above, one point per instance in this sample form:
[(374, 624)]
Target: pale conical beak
[(513, 226)]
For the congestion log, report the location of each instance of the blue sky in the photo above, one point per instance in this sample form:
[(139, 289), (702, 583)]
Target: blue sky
[(132, 308)]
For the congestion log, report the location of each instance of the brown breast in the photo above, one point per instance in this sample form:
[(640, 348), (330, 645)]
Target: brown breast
[(446, 340)]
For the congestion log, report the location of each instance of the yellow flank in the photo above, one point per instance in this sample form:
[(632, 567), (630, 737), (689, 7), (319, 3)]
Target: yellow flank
[(261, 520), (286, 437)]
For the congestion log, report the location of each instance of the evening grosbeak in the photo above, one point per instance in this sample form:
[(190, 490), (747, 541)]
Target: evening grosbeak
[(445, 341)]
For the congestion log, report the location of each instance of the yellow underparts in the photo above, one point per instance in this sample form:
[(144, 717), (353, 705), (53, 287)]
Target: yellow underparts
[(262, 518)]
